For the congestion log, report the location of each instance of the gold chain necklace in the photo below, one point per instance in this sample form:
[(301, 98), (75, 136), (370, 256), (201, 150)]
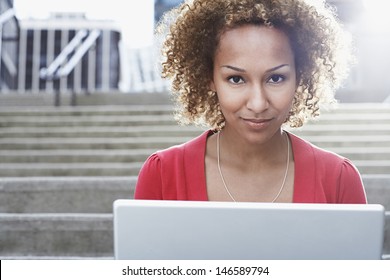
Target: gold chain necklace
[(223, 179)]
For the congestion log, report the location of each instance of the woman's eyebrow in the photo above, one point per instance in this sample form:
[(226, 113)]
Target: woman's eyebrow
[(233, 68), (243, 70), (277, 67)]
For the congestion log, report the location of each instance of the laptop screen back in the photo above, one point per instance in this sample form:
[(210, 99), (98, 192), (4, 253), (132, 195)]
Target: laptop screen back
[(147, 229)]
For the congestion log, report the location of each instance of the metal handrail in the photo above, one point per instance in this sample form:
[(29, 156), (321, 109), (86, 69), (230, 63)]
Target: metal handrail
[(49, 73), (78, 55), (7, 15), (58, 68)]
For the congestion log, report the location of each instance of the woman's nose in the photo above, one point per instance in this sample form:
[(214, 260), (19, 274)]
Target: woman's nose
[(257, 99)]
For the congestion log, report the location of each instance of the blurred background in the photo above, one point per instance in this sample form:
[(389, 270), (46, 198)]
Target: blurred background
[(106, 46), (80, 46), (82, 106)]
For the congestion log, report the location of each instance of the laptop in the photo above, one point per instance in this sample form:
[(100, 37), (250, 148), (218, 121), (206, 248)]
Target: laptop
[(193, 230)]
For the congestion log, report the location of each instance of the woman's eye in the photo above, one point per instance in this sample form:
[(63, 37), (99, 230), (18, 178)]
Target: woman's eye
[(276, 79), (236, 80)]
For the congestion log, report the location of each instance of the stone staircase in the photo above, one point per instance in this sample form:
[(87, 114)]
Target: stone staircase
[(62, 167)]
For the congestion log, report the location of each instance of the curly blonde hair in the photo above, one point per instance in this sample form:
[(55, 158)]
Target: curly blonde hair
[(191, 34)]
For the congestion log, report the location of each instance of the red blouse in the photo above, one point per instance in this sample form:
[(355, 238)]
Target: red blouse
[(178, 173)]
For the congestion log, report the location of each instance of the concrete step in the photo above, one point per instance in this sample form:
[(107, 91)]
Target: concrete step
[(344, 114), (158, 101), (96, 194), (163, 141), (363, 153), (70, 235), (327, 141), (127, 168), (75, 156), (377, 188), (165, 119), (373, 166), (140, 155), (361, 108), (101, 131), (90, 143), (149, 101), (339, 116), (340, 129), (36, 111), (77, 121), (69, 169), (45, 100), (63, 194)]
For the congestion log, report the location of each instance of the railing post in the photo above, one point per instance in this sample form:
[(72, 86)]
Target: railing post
[(4, 17), (57, 98)]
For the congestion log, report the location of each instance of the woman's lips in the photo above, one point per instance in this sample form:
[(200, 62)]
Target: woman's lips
[(257, 123)]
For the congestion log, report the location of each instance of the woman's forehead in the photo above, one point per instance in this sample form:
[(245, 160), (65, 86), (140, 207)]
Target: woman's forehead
[(253, 38)]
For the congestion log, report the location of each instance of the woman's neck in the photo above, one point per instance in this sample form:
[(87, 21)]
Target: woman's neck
[(246, 154)]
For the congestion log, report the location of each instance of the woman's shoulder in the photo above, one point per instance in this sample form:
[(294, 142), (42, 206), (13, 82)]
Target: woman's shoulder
[(177, 151), (175, 172), (307, 149), (308, 154), (336, 175)]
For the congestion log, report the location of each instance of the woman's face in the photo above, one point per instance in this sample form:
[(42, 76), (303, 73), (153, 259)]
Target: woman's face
[(255, 80)]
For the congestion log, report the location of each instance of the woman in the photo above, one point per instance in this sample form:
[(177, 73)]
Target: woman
[(246, 69)]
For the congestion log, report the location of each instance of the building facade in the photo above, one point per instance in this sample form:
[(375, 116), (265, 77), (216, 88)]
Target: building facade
[(65, 52)]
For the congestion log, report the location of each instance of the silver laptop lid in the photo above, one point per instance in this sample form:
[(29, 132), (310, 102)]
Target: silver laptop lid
[(147, 229)]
